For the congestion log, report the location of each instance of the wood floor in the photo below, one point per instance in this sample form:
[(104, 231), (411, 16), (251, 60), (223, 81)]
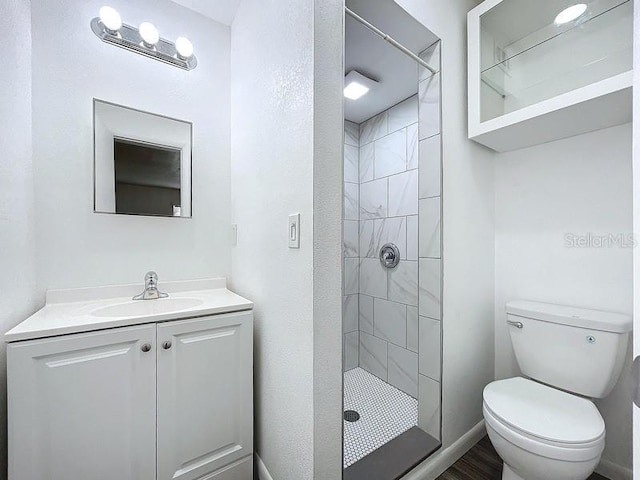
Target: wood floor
[(482, 463)]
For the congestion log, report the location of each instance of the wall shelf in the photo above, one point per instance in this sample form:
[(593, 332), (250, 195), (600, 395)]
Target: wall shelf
[(532, 81)]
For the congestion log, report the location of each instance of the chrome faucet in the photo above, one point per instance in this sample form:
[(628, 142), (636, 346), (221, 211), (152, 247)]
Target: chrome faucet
[(151, 291)]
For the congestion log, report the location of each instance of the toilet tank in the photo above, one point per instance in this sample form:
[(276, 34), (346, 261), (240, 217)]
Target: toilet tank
[(574, 349)]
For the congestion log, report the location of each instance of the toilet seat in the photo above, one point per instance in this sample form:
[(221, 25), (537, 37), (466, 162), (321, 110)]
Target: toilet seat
[(543, 420)]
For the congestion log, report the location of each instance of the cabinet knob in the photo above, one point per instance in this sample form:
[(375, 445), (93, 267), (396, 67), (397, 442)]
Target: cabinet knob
[(146, 347), (166, 345)]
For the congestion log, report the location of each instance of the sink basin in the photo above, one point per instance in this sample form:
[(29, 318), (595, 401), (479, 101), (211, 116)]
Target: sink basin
[(140, 308)]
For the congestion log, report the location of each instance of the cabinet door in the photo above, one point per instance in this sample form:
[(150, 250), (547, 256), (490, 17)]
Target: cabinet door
[(83, 406), (205, 395)]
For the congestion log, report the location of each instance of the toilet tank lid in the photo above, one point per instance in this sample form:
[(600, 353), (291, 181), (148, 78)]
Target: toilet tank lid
[(574, 316)]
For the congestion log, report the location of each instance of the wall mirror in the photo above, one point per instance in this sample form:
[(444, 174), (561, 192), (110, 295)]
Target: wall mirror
[(142, 162)]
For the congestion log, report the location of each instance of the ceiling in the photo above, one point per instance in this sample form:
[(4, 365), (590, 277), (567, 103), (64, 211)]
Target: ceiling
[(373, 57), (222, 11), (365, 52)]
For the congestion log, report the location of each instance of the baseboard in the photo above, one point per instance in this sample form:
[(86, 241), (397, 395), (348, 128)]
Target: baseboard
[(437, 464), (261, 469), (613, 471)]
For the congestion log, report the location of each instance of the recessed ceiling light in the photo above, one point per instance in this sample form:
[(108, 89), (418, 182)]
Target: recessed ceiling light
[(355, 90), (357, 85), (571, 13)]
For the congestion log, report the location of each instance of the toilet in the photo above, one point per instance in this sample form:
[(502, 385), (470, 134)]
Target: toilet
[(544, 425)]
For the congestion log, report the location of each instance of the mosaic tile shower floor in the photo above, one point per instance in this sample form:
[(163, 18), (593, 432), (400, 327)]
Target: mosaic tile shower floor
[(385, 412)]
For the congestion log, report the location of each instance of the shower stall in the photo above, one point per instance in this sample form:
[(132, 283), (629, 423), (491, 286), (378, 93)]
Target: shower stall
[(393, 254)]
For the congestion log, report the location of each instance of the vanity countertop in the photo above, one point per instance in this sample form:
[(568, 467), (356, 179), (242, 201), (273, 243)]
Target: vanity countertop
[(99, 308)]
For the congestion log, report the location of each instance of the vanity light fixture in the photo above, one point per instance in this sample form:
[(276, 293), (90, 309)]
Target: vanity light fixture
[(356, 85), (144, 40), (571, 13)]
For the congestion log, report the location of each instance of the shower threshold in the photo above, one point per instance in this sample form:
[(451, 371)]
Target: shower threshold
[(395, 459)]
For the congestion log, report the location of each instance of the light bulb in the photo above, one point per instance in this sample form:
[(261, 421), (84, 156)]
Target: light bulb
[(571, 13), (110, 18), (184, 47), (149, 34)]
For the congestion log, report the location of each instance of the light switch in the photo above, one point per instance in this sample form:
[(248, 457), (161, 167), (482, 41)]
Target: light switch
[(234, 235), (294, 230)]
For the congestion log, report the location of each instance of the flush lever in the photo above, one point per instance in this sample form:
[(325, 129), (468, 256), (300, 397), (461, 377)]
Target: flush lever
[(515, 324)]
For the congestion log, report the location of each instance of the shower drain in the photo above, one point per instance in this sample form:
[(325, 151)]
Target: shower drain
[(351, 416)]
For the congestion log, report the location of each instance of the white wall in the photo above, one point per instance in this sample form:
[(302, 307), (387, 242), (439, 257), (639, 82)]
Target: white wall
[(71, 66), (328, 114), (636, 220), (17, 248), (578, 185), (467, 223), (271, 178)]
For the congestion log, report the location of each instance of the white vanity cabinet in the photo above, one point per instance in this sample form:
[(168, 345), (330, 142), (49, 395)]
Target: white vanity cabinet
[(83, 406), (205, 396), (166, 400)]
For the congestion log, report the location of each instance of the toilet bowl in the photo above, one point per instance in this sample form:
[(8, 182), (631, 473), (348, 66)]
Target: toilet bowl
[(542, 433)]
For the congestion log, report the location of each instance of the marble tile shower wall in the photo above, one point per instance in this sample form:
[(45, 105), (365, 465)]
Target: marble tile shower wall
[(430, 248), (388, 299), (351, 248), (392, 191)]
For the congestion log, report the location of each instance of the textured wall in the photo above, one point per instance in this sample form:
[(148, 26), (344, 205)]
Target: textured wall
[(272, 177), (17, 224), (327, 237), (76, 247), (636, 214)]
